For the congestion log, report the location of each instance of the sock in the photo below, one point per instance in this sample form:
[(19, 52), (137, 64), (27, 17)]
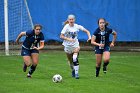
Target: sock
[(24, 67), (76, 64), (105, 64), (97, 71), (32, 69), (76, 69)]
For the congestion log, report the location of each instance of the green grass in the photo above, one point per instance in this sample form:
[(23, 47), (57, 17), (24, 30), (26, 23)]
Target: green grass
[(123, 74)]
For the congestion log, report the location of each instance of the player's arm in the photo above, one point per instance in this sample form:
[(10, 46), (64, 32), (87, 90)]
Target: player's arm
[(20, 35), (62, 36), (88, 33), (114, 38), (93, 42)]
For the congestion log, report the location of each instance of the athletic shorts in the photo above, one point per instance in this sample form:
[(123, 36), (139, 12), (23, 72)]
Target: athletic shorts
[(70, 49), (100, 51), (27, 52)]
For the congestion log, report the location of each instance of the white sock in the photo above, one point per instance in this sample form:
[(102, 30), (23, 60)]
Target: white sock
[(76, 68), (74, 58)]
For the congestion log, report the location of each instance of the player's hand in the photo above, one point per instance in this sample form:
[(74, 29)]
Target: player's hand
[(112, 44), (101, 45), (35, 48)]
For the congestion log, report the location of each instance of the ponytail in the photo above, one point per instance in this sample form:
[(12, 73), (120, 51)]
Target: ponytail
[(69, 16), (66, 22), (106, 24)]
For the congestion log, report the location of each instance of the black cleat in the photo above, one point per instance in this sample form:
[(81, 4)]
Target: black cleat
[(29, 76), (104, 69)]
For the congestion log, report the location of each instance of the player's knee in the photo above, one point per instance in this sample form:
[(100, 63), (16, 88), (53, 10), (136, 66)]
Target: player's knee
[(76, 50)]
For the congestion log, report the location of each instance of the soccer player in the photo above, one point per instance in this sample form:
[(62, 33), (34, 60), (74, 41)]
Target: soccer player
[(70, 42), (33, 42), (102, 44)]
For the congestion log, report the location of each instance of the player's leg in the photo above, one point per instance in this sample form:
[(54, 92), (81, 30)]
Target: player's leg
[(98, 55), (26, 58), (70, 62), (76, 62), (69, 53), (106, 58), (98, 63), (35, 60), (27, 62)]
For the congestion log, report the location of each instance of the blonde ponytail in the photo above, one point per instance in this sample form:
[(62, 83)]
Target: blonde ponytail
[(66, 22)]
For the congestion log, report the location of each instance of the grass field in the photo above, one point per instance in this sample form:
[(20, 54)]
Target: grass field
[(123, 74)]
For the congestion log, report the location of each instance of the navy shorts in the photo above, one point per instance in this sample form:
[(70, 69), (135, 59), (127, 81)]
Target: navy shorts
[(100, 51), (27, 52)]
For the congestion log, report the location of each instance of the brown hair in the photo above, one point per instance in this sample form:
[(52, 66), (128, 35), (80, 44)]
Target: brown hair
[(37, 25), (106, 23)]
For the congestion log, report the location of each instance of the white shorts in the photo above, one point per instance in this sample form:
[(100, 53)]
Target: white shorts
[(70, 49)]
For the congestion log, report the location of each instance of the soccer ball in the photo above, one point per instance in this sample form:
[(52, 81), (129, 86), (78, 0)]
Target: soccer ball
[(57, 78)]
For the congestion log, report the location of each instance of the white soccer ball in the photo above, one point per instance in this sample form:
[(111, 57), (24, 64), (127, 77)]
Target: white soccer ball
[(57, 78)]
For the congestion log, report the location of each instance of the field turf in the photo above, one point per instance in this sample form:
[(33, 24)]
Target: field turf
[(123, 74)]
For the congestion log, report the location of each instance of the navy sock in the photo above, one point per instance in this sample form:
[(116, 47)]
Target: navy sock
[(105, 64), (32, 69), (97, 71)]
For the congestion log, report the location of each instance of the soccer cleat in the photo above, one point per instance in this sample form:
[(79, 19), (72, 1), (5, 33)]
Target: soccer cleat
[(28, 75), (76, 76), (24, 67), (105, 69), (73, 73)]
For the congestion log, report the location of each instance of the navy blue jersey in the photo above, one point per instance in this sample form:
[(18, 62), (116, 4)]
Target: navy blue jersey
[(102, 37), (32, 40)]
